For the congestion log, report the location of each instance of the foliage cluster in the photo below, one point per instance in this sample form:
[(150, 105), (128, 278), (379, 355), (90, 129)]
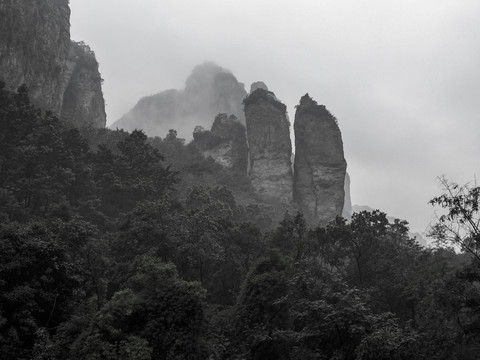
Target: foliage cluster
[(205, 139), (85, 56)]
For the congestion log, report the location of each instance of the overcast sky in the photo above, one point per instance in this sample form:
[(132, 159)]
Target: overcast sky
[(401, 76)]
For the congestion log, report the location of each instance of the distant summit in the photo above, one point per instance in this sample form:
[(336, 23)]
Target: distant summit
[(209, 90)]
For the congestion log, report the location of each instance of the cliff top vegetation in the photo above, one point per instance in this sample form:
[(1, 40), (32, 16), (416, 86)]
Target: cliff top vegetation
[(268, 96), (309, 106)]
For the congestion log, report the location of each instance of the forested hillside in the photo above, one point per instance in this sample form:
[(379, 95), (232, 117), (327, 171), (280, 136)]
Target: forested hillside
[(116, 246)]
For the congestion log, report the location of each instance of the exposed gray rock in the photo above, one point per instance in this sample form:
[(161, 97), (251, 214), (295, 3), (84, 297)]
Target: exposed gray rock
[(320, 166), (83, 102), (268, 133), (36, 50), (34, 47)]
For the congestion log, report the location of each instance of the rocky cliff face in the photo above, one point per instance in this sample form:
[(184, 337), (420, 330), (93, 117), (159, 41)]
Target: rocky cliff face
[(83, 102), (34, 46), (320, 166), (268, 132), (209, 90), (226, 142), (36, 50)]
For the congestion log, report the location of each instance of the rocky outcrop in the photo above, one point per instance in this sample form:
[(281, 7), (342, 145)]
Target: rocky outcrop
[(226, 142), (320, 166), (36, 50), (83, 102), (268, 132), (34, 47), (209, 90)]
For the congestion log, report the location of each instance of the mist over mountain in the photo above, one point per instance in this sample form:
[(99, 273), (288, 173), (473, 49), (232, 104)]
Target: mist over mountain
[(117, 245), (315, 184), (209, 90)]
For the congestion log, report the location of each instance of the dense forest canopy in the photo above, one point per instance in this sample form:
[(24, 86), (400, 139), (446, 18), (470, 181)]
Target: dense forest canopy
[(117, 246)]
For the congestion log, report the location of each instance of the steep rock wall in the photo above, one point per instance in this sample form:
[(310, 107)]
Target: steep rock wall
[(36, 50), (268, 133), (83, 102), (320, 166), (34, 46), (209, 90)]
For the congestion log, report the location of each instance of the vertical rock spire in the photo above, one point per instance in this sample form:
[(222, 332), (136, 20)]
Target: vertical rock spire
[(319, 166), (268, 132)]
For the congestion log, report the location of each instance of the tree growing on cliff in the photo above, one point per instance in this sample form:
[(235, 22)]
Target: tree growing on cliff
[(460, 226)]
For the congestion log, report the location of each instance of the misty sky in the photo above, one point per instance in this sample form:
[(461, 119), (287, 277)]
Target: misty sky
[(402, 77)]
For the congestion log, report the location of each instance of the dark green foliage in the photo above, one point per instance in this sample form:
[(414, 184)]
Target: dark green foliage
[(42, 161), (37, 285), (158, 316), (460, 226), (371, 253), (295, 306), (134, 175), (200, 236), (205, 139), (291, 237)]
